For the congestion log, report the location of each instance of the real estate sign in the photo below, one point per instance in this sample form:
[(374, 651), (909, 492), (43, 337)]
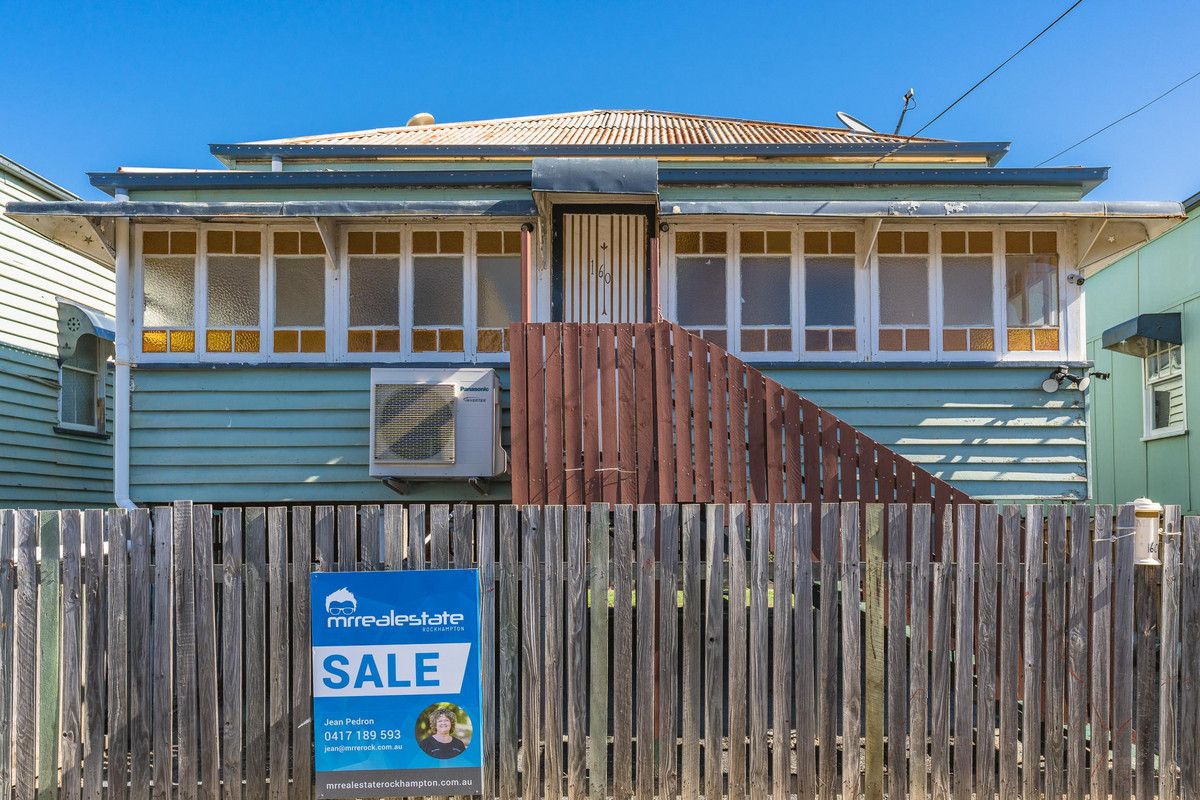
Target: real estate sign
[(396, 684)]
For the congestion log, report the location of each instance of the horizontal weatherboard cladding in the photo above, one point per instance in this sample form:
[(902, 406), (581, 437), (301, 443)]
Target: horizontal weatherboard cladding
[(40, 467), (276, 434)]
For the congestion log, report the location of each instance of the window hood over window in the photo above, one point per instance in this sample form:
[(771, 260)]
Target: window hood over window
[(1143, 334), (75, 320)]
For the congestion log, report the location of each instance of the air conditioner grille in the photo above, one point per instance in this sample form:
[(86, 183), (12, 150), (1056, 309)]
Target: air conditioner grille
[(414, 423)]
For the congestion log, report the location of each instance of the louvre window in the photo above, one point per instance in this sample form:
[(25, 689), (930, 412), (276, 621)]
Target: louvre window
[(1165, 412)]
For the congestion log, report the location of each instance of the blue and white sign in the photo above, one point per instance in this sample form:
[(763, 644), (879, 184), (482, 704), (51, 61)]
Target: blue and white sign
[(397, 707)]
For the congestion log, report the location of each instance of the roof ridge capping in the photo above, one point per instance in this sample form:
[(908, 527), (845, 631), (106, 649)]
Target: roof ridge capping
[(624, 123)]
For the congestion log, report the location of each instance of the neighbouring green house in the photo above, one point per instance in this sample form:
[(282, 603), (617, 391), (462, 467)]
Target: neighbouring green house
[(1143, 321), (326, 319), (56, 334)]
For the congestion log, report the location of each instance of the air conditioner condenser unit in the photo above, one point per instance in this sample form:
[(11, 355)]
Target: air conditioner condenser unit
[(436, 423)]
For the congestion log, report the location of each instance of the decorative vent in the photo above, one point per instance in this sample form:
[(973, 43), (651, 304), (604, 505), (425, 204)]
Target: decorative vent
[(414, 423)]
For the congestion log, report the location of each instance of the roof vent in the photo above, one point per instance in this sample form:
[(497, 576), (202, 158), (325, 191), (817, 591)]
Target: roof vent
[(423, 118)]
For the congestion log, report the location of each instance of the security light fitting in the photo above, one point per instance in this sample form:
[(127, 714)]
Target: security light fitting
[(1060, 376)]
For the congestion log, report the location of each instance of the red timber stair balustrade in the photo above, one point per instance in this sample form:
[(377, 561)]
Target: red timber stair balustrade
[(650, 413)]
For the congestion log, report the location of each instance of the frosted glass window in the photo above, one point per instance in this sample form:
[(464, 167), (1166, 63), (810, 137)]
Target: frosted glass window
[(829, 291), (374, 292), (300, 292), (766, 291), (233, 291), (170, 291), (1032, 290), (903, 291), (80, 386), (438, 290), (700, 291), (967, 290), (498, 290)]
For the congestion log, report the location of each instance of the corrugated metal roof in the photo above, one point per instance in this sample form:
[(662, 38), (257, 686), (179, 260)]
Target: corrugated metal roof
[(601, 127)]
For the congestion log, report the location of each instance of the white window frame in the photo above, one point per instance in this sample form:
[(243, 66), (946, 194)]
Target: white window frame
[(1150, 433), (332, 307), (999, 300), (407, 279), (139, 299), (932, 298), (341, 345), (265, 286), (667, 265), (99, 392), (862, 284), (471, 291), (1066, 298), (734, 287)]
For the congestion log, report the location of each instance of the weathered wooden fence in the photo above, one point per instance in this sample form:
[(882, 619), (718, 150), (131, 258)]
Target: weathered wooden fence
[(651, 413), (629, 651)]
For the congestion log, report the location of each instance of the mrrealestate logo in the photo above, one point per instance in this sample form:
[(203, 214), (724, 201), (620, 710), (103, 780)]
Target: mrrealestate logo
[(342, 609), (341, 603)]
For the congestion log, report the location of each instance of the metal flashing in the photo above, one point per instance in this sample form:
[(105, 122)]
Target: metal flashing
[(1087, 178), (1138, 336), (112, 182), (928, 209), (595, 176), (139, 209)]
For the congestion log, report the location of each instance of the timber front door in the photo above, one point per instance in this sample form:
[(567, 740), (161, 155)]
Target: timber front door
[(601, 262)]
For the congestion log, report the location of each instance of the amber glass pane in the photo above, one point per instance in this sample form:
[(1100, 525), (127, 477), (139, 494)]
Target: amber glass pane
[(489, 243), (816, 341), (450, 341), (245, 341), (714, 241), (424, 241), (360, 243), (916, 242), (779, 339), (754, 341), (451, 242), (954, 242), (916, 339), (387, 243), (312, 341), (387, 341), (687, 242), (1045, 339), (983, 339), (490, 341), (220, 241), (286, 243), (1020, 339), (1016, 242), (154, 341), (844, 339), (841, 242), (718, 338), (889, 242), (311, 244), (359, 341), (979, 242), (218, 341), (247, 242), (1045, 242), (512, 242), (891, 339), (753, 241), (287, 341), (183, 342), (424, 341), (156, 243), (954, 341), (816, 243), (183, 243), (779, 242)]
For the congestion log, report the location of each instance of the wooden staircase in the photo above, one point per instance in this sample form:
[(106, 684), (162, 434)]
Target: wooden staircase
[(650, 413)]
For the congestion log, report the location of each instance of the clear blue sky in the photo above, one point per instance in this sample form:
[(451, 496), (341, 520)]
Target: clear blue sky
[(86, 87)]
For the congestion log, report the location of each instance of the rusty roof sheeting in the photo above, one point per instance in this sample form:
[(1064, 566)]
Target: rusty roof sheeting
[(601, 127)]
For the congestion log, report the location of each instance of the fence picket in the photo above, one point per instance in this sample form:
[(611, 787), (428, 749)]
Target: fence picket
[(805, 655), (827, 654), (1122, 649), (939, 692), (164, 637), (918, 678), (508, 637), (279, 720), (668, 652), (25, 648), (439, 536), (255, 667), (738, 580), (576, 663), (760, 683), (93, 653), (690, 679), (1010, 653), (851, 654), (964, 645), (644, 720), (232, 611), (72, 661), (117, 647), (301, 688), (485, 555), (49, 654), (1055, 657), (531, 653), (1077, 652), (8, 585), (598, 622), (897, 649), (1168, 723), (985, 661), (1189, 693), (873, 638), (622, 639), (1031, 710), (141, 648), (552, 656), (1101, 718), (206, 651), (1146, 680), (714, 653), (781, 657)]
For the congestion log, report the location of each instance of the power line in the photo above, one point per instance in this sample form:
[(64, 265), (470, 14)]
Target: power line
[(977, 84), (1137, 110)]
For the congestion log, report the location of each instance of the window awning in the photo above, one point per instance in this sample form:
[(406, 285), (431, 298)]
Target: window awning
[(608, 180), (76, 320), (1140, 335)]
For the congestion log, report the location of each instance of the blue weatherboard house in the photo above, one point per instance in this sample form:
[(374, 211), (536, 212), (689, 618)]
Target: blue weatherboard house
[(56, 346), (327, 318)]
